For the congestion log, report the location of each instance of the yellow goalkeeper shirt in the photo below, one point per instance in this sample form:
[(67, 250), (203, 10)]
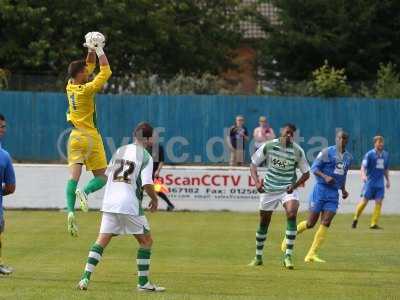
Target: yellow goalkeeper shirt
[(81, 104)]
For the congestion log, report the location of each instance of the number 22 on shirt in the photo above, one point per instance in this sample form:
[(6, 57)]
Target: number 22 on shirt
[(124, 171)]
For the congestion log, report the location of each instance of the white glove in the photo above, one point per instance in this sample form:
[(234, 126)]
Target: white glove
[(95, 41), (88, 42)]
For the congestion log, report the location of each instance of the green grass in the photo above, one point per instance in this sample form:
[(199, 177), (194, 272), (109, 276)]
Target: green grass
[(200, 256)]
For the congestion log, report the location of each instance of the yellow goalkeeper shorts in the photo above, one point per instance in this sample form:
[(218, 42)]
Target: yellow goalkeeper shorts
[(86, 147)]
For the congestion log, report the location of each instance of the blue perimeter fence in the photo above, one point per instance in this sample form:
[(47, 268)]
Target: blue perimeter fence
[(37, 129)]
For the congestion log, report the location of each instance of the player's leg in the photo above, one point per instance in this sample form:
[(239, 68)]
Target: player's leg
[(359, 209), (143, 263), (291, 207), (166, 200), (97, 182), (77, 145), (376, 214), (111, 224), (94, 257), (366, 194), (315, 209), (96, 161), (378, 195), (75, 173), (4, 270), (326, 220), (303, 226), (261, 236)]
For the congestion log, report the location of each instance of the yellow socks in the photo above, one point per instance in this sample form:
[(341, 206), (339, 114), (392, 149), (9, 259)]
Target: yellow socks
[(302, 226), (318, 239), (376, 214), (359, 209)]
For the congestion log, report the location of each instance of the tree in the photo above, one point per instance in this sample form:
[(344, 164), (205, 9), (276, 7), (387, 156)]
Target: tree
[(329, 82), (355, 35), (159, 37)]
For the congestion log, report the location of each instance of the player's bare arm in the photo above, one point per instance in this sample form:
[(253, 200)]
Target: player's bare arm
[(254, 176), (345, 193), (103, 61), (149, 189), (8, 189), (328, 179), (91, 56), (364, 177), (158, 171), (304, 177), (387, 179)]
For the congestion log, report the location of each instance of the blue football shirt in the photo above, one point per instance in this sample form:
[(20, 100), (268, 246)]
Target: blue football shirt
[(375, 165), (334, 164), (7, 175)]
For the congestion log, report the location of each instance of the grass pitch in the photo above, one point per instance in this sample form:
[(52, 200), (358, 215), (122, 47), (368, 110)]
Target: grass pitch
[(200, 256)]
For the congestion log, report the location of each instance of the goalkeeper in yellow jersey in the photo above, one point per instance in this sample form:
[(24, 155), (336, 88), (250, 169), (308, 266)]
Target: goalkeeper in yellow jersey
[(85, 145)]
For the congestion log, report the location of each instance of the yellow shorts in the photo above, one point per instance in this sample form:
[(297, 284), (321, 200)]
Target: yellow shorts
[(86, 147)]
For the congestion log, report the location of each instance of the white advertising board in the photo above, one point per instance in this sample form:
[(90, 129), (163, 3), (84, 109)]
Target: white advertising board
[(191, 188)]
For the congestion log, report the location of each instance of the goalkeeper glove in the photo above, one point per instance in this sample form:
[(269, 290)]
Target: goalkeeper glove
[(88, 43), (95, 41)]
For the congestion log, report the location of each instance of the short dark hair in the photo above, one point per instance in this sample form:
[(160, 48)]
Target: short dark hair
[(2, 118), (75, 67), (291, 126), (143, 130)]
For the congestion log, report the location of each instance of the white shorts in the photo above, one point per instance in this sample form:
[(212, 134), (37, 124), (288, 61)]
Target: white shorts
[(270, 201), (120, 224)]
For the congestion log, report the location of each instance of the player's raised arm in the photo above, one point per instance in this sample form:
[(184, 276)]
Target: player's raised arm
[(91, 56), (91, 61), (97, 41)]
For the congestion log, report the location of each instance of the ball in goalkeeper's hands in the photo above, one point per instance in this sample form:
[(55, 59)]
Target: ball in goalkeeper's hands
[(98, 39), (94, 40), (88, 41)]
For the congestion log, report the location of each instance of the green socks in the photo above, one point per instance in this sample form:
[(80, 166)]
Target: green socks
[(71, 188), (261, 236), (291, 232), (143, 265), (95, 184), (94, 257)]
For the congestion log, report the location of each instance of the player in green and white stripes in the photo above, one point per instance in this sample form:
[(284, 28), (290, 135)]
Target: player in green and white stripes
[(129, 173), (279, 185)]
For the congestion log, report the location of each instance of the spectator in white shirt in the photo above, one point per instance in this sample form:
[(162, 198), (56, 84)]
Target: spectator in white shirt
[(262, 133)]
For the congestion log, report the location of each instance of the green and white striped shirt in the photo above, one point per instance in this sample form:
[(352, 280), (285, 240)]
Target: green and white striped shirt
[(129, 170), (282, 162)]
